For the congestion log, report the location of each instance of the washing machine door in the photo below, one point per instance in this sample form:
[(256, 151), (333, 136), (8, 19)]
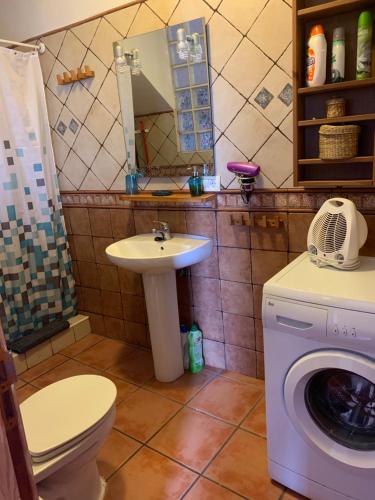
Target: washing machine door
[(330, 399)]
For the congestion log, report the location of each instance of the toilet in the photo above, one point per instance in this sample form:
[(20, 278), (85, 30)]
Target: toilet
[(66, 423)]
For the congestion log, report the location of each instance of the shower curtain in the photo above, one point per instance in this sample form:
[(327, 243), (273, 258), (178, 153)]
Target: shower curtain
[(36, 281)]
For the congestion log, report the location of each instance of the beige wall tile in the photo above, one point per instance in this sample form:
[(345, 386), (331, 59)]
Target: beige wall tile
[(270, 238), (237, 298), (111, 304), (108, 276), (114, 328), (62, 340), (97, 323), (235, 264), (79, 220), (122, 221), (202, 223), (258, 296), (260, 365), (134, 308), (369, 246), (239, 330), (175, 218), (135, 333), (130, 282), (100, 222), (266, 263), (100, 244), (214, 353), (239, 359), (299, 224), (206, 293), (89, 299), (259, 335), (231, 236), (208, 267), (38, 354), (210, 323), (82, 328), (88, 273), (83, 248), (144, 220)]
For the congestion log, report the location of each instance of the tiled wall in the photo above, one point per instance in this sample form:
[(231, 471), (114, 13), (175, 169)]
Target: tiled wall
[(222, 293), (250, 57)]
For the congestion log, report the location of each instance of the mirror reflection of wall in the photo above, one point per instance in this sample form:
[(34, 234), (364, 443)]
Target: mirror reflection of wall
[(167, 121)]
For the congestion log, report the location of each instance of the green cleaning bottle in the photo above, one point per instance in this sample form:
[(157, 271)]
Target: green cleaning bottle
[(195, 341), (364, 44)]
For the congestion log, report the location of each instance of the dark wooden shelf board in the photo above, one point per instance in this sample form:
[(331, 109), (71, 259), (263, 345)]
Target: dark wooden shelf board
[(332, 8), (318, 161), (339, 119), (181, 197), (334, 87), (336, 183)]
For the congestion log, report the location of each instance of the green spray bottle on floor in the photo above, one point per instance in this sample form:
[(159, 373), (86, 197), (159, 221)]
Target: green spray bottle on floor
[(195, 342)]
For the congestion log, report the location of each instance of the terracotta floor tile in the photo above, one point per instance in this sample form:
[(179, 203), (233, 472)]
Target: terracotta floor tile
[(136, 366), (143, 413), (227, 399), (192, 438), (149, 476), (25, 392), (256, 420), (242, 467), (104, 354), (115, 451), (43, 367), (204, 489), (240, 377), (68, 369), (20, 383), (124, 389), (184, 388), (80, 346)]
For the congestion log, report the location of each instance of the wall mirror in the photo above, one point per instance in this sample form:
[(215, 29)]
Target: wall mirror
[(163, 84)]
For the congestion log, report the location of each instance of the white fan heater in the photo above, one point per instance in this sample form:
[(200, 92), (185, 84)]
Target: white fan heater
[(336, 234)]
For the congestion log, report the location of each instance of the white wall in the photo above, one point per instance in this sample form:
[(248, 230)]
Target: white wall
[(23, 19)]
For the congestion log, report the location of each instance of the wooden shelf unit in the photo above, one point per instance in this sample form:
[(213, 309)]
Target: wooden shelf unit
[(175, 197), (309, 111)]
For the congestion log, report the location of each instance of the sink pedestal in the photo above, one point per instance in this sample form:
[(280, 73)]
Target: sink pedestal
[(164, 324)]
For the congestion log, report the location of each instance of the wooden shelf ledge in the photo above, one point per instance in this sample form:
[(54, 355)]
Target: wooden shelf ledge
[(319, 161), (334, 87), (333, 8), (338, 119), (175, 197), (336, 183)]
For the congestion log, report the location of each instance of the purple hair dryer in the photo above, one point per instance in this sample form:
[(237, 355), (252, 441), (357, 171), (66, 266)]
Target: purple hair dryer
[(245, 173)]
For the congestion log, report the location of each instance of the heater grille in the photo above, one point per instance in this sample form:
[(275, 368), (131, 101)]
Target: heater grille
[(329, 232)]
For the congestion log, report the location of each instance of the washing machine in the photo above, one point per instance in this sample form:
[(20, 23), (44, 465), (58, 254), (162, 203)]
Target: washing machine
[(319, 346)]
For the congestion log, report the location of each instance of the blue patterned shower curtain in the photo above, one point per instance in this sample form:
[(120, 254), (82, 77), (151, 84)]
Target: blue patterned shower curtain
[(36, 281)]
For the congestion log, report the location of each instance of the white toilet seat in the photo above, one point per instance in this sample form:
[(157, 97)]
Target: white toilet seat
[(63, 414)]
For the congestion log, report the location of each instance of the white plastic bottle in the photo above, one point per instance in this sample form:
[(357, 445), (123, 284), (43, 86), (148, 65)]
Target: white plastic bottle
[(316, 70), (338, 55)]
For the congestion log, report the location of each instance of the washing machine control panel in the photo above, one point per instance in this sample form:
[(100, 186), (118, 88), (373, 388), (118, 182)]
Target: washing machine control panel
[(351, 325)]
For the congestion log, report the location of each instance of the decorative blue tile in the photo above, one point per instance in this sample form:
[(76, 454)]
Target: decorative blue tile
[(286, 95), (263, 98), (73, 125), (61, 127)]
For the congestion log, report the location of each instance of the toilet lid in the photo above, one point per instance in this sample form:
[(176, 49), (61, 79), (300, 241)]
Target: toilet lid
[(62, 411)]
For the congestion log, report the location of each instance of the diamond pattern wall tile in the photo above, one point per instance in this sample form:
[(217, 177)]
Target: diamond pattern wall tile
[(65, 184), (60, 91), (54, 42), (60, 150), (286, 126), (286, 62), (79, 101), (119, 182), (122, 19), (93, 84), (74, 169), (224, 110), (99, 121), (288, 183), (168, 151), (108, 94), (187, 10), (275, 85), (86, 31), (247, 67), (226, 151), (165, 122), (223, 39), (275, 158), (46, 63), (86, 146), (115, 143), (68, 126), (249, 130), (105, 168), (272, 30), (101, 44), (145, 21), (72, 51), (240, 14), (163, 8), (54, 107), (156, 137), (92, 183)]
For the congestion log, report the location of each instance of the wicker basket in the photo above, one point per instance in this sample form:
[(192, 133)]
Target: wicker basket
[(335, 107), (338, 142)]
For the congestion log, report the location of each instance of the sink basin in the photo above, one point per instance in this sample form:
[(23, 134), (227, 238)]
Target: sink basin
[(143, 254), (158, 261)]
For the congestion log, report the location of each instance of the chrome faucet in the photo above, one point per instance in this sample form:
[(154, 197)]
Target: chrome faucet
[(163, 230)]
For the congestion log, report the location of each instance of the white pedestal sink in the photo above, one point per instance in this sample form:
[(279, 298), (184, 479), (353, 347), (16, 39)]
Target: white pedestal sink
[(158, 261)]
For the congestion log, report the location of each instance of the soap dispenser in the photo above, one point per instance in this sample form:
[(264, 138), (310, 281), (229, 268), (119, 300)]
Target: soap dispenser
[(195, 183)]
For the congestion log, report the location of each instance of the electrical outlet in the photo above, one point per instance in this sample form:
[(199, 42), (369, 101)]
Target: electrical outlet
[(211, 182)]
